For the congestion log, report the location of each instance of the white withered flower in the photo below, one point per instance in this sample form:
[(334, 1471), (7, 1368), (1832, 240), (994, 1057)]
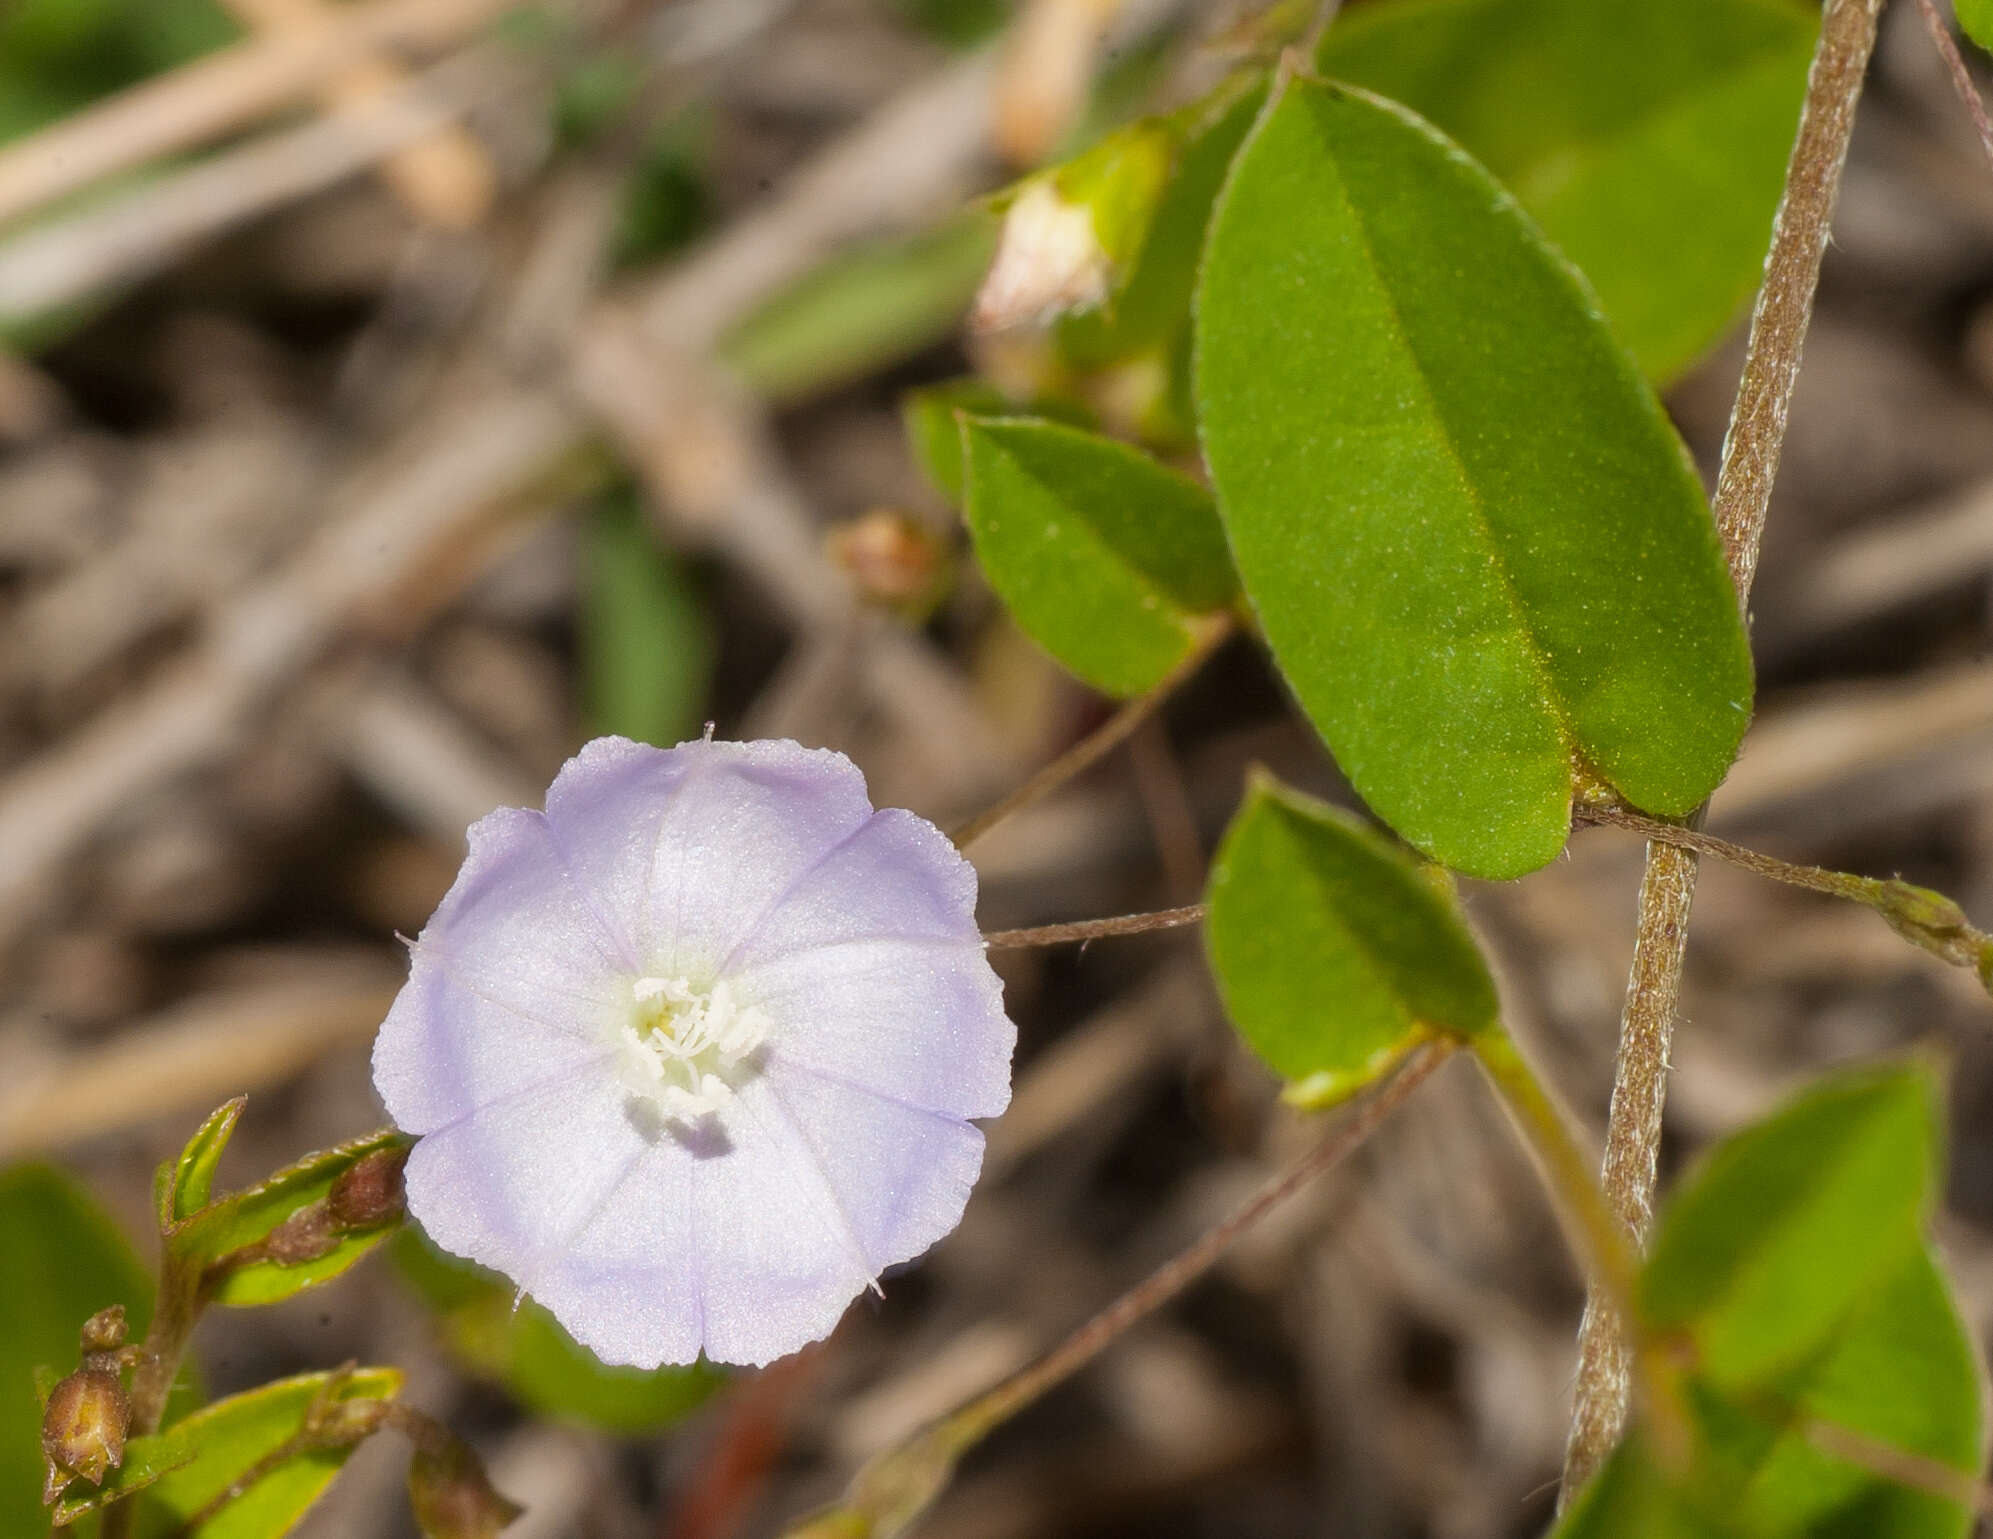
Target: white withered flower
[(693, 1054)]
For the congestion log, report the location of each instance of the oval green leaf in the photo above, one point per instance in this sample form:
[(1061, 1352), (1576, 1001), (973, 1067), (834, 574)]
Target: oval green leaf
[(1336, 955), (1478, 549), (1110, 561), (1784, 1228), (1650, 142)]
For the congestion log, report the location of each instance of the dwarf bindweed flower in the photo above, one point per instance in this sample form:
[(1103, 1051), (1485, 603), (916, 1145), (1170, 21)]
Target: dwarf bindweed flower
[(692, 1055)]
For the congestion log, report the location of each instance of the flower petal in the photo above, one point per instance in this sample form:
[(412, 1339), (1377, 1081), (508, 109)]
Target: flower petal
[(512, 1183), (508, 981), (898, 877), (916, 1022), (780, 1257), (688, 848), (627, 1286), (901, 1174)]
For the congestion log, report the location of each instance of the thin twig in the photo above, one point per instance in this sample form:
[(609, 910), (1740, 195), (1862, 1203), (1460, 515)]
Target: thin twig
[(1743, 493), (216, 95), (1915, 1471), (1090, 749), (893, 1488), (1094, 929), (1961, 77), (1349, 1134)]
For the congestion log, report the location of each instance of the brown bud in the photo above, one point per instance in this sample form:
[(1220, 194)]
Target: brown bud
[(83, 1429), (452, 1496), (893, 560), (305, 1236), (368, 1193), (104, 1331)]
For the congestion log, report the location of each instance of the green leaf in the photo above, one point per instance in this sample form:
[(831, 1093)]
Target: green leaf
[(1335, 953), (185, 1186), (61, 1260), (646, 642), (1650, 141), (1478, 549), (931, 416), (1975, 18), (246, 1218), (543, 1367), (862, 311), (1901, 1372), (183, 1469), (1785, 1227), (1109, 560)]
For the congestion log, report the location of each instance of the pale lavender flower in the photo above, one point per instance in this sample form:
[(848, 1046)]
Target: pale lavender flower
[(693, 1054)]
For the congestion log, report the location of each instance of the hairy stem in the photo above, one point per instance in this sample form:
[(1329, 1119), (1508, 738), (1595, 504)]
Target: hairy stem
[(1925, 918), (896, 1486), (1095, 746), (1094, 929), (1743, 493)]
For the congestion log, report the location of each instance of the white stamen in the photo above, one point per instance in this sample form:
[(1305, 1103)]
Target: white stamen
[(685, 1049)]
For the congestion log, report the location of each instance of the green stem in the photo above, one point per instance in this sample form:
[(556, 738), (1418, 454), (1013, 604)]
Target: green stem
[(1597, 1233)]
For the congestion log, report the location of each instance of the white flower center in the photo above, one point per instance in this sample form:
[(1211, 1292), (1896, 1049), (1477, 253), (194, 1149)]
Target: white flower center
[(685, 1048)]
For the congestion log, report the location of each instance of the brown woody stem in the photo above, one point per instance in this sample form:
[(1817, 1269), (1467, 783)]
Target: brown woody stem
[(1743, 493)]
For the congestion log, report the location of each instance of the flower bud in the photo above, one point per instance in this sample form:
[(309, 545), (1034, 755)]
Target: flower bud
[(893, 560), (305, 1236), (104, 1331), (1069, 231), (83, 1429), (368, 1193), (452, 1496)]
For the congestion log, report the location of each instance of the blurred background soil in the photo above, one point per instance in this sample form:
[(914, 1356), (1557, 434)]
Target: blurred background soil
[(377, 432)]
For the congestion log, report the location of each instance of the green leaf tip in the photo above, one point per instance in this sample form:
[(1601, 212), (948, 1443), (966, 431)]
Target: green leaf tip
[(1474, 541), (1899, 1375), (1781, 1230), (1110, 560), (1335, 954)]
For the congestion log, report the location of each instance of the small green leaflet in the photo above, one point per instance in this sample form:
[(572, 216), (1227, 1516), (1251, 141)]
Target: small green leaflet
[(1110, 561), (1336, 955), (1477, 548), (646, 640), (1649, 141), (1785, 1227)]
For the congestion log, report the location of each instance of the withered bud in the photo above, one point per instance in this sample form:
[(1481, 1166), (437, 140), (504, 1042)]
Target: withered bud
[(893, 560), (83, 1429), (305, 1236), (104, 1331), (452, 1496), (368, 1193)]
